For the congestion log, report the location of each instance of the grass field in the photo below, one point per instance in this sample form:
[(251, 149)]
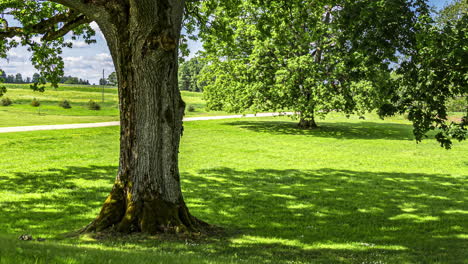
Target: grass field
[(353, 191), (21, 113)]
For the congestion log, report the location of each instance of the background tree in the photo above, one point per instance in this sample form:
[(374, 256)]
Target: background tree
[(3, 89), (112, 79), (36, 77), (103, 81), (73, 80), (19, 78), (189, 72), (3, 75), (310, 57), (341, 58), (10, 79)]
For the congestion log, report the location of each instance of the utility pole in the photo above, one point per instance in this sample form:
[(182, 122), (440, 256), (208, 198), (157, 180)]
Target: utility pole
[(103, 83)]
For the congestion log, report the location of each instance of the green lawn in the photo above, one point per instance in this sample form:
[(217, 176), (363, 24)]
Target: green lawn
[(353, 191), (21, 113)]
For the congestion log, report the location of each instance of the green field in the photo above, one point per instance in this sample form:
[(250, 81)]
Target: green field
[(354, 191), (21, 113)]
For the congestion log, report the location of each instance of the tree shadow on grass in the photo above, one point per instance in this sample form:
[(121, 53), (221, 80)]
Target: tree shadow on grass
[(53, 201), (272, 216), (339, 130), (335, 213)]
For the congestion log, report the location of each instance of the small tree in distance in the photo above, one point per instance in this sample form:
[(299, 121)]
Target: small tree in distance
[(112, 79), (103, 81), (189, 75)]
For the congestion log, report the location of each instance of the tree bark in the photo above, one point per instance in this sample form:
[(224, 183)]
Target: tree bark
[(146, 197)]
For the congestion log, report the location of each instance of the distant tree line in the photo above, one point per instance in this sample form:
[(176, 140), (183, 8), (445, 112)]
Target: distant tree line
[(73, 80), (110, 80), (189, 72), (18, 78)]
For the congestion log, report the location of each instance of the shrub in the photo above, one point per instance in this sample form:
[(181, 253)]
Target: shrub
[(6, 101), (93, 105), (35, 103), (65, 104), (191, 108)]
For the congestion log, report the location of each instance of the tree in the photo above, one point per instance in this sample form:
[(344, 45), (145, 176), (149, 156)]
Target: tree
[(313, 57), (10, 79), (184, 77), (73, 80), (36, 77), (433, 72), (102, 81), (112, 79), (189, 73), (452, 12), (19, 78), (142, 37), (3, 76), (310, 57)]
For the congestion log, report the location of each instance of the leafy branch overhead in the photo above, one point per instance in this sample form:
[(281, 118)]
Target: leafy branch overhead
[(42, 25)]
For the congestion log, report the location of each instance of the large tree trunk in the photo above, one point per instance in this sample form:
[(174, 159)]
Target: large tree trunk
[(307, 123), (146, 197)]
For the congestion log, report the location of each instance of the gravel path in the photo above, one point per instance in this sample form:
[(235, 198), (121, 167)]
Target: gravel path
[(116, 123)]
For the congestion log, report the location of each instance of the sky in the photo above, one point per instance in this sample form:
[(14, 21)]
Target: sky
[(88, 61)]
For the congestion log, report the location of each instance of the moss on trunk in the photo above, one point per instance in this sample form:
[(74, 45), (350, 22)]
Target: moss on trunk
[(120, 214)]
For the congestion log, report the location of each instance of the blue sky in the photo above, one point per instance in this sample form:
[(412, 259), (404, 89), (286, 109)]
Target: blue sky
[(88, 61)]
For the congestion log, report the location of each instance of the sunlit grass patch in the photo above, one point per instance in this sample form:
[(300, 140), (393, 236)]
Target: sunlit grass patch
[(20, 113), (352, 191)]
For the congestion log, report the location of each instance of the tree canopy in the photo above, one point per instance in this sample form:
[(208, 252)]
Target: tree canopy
[(189, 72), (314, 57)]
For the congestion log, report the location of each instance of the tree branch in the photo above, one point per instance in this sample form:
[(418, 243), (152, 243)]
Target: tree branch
[(47, 27), (74, 23)]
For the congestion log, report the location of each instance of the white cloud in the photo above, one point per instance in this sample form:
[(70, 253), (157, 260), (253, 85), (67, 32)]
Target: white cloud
[(104, 57), (17, 56), (79, 44), (72, 59), (89, 67)]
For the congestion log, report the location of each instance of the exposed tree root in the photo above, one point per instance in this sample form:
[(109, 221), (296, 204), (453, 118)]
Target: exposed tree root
[(151, 216)]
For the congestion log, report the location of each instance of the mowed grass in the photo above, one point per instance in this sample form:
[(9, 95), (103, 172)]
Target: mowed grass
[(352, 191), (21, 113)]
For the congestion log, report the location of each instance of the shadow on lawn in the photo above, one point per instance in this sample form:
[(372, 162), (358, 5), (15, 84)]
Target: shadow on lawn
[(58, 201), (276, 216), (340, 130)]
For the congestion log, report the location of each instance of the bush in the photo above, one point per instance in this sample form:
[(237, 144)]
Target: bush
[(191, 108), (6, 101), (35, 103), (65, 104), (93, 105)]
